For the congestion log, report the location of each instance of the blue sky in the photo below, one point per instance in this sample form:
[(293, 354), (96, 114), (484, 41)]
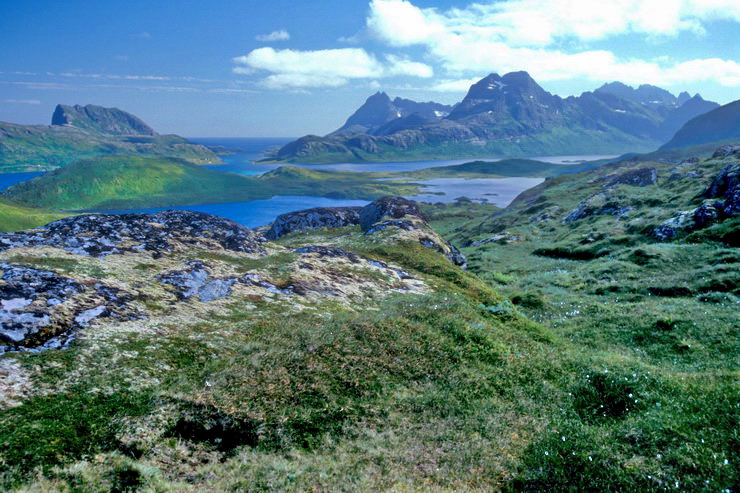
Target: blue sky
[(288, 68)]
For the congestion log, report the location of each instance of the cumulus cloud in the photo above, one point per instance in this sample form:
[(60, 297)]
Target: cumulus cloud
[(529, 34), (291, 69), (281, 35)]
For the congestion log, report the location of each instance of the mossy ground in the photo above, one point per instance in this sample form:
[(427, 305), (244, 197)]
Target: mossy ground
[(17, 217), (527, 373), (661, 317)]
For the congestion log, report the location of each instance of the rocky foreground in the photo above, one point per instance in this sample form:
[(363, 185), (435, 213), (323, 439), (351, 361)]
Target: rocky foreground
[(53, 281)]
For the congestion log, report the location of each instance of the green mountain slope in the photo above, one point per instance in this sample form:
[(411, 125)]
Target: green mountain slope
[(128, 182), (78, 134), (719, 124), (17, 217)]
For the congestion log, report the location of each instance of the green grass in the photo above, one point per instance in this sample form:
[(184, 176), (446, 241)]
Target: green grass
[(527, 372), (126, 182), (17, 217)]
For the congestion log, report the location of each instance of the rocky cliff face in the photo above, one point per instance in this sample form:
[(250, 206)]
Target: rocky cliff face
[(99, 119)]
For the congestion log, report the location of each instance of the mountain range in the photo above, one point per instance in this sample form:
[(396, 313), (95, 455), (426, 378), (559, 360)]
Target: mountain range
[(84, 132), (720, 124), (504, 115)]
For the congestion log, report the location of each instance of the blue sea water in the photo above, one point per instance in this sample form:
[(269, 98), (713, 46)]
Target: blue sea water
[(261, 212), (8, 179)]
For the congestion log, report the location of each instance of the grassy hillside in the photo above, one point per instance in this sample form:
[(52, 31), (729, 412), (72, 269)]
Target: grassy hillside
[(126, 182), (719, 124), (40, 147), (536, 376), (659, 316), (17, 217)]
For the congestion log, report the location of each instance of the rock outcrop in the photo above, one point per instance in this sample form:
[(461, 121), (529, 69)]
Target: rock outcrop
[(722, 201), (388, 207), (99, 235), (641, 177), (41, 308), (727, 150), (598, 204), (99, 119), (319, 217), (406, 219), (727, 185)]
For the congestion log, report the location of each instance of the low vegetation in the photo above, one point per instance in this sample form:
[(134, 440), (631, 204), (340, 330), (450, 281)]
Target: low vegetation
[(126, 183), (579, 355), (17, 217)]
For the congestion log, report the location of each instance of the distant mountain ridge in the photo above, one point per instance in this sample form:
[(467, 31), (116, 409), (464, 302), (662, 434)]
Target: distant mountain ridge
[(99, 119), (509, 115), (86, 132), (379, 110), (720, 124)]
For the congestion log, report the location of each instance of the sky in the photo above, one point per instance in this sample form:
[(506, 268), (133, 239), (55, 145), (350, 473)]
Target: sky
[(286, 68)]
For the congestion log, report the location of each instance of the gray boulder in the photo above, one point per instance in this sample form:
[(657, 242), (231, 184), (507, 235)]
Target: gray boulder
[(319, 217), (40, 308), (388, 207), (727, 150), (100, 235), (642, 177)]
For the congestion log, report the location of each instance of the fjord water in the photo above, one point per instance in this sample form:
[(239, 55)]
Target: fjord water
[(258, 212), (255, 213), (8, 179), (252, 149)]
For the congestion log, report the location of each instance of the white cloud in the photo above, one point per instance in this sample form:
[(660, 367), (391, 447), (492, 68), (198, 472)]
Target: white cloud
[(22, 101), (526, 35), (453, 85), (281, 35), (324, 68), (543, 22)]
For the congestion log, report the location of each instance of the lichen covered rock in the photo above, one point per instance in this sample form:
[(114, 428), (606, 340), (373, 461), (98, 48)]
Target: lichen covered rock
[(40, 307), (319, 217), (99, 235), (388, 207)]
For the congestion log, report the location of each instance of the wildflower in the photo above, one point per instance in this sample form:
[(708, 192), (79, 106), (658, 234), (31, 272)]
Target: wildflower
[(547, 453), (590, 458), (562, 438)]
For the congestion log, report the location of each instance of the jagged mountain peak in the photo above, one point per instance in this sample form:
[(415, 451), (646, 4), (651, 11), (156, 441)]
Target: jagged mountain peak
[(379, 109), (683, 97)]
